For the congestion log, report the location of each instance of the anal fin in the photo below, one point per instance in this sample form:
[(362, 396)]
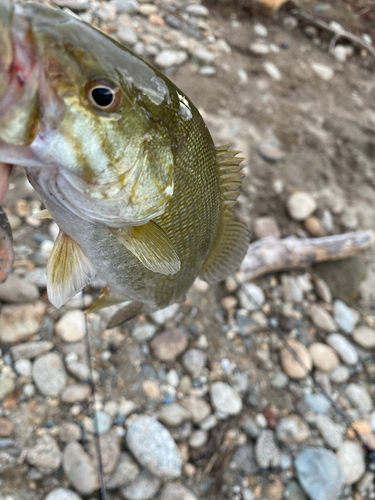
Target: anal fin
[(68, 270), (125, 314), (152, 246), (233, 239)]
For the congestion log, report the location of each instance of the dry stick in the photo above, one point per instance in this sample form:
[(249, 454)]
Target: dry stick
[(270, 255), (337, 34), (103, 491)]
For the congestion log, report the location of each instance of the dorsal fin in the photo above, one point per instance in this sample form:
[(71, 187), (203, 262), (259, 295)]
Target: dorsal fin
[(68, 270), (232, 239)]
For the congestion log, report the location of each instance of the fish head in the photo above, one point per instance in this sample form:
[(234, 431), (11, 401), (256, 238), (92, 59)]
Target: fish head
[(85, 116)]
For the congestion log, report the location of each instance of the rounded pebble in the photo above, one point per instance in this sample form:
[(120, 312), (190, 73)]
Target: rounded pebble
[(324, 357), (194, 360), (296, 368), (300, 205), (364, 336), (225, 400), (49, 374), (344, 348), (176, 491), (80, 469), (62, 494), (72, 326), (352, 461)]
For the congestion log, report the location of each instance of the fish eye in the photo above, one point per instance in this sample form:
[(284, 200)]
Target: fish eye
[(104, 95)]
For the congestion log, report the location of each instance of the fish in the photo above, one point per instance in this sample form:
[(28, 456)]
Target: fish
[(122, 160)]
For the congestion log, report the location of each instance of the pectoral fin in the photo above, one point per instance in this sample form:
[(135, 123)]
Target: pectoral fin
[(151, 245), (68, 270), (43, 214)]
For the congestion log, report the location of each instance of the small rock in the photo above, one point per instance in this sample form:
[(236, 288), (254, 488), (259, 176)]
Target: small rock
[(104, 422), (275, 489), (23, 367), (16, 290), (323, 291), (344, 348), (319, 473), (365, 337), (80, 469), (6, 427), (322, 71), (72, 326), (324, 357), (7, 386), (260, 30), (272, 71), (76, 393), (290, 22), (18, 323), (344, 316), (266, 451), (271, 153), (74, 5), (314, 227), (208, 423), (127, 6), (153, 446), (144, 487), (176, 491), (332, 433), (194, 360), (30, 350), (147, 9), (79, 370), (340, 53), (251, 297), (173, 414), (45, 455), (127, 35), (126, 472), (259, 48), (168, 345), (296, 368), (243, 459), (291, 290), (62, 494), (198, 439), (110, 452), (293, 491), (292, 430), (225, 400), (265, 227), (144, 332), (168, 58), (280, 380), (70, 432), (301, 205), (359, 397), (204, 56), (172, 378), (163, 315), (49, 374), (340, 374), (197, 10), (198, 408), (321, 318), (151, 389), (318, 402), (352, 461)]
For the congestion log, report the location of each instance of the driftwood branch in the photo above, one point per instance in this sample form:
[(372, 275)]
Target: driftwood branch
[(270, 255), (337, 34)]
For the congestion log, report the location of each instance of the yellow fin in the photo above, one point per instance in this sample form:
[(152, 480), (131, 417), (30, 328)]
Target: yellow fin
[(233, 239), (43, 214), (68, 270), (151, 245), (106, 299)]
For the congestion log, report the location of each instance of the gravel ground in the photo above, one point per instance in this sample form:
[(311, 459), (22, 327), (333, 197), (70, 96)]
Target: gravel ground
[(205, 399)]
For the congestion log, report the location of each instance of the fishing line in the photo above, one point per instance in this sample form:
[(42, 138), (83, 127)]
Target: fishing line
[(274, 326), (103, 490)]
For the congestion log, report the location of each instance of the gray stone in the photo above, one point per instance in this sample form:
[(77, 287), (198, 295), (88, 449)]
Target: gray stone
[(18, 323), (7, 386), (197, 10), (72, 326), (173, 414), (323, 291), (45, 455), (340, 374), (70, 432), (154, 448), (208, 423), (49, 374), (324, 357), (293, 491), (110, 451), (292, 429), (194, 360), (333, 434), (104, 422), (168, 345), (23, 367), (344, 316), (80, 469), (259, 48), (76, 393), (260, 30), (127, 6), (79, 370), (250, 427), (322, 319), (266, 227), (163, 315), (271, 153), (198, 439), (225, 400), (144, 332), (266, 451), (126, 472), (291, 290), (352, 461), (127, 35), (30, 350), (365, 337), (272, 71), (62, 494), (280, 380), (168, 58), (144, 487), (17, 290), (301, 205), (243, 459), (251, 297), (359, 397), (318, 402), (322, 71), (344, 348), (340, 53), (319, 473)]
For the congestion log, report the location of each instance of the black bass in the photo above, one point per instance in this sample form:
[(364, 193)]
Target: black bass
[(122, 160)]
